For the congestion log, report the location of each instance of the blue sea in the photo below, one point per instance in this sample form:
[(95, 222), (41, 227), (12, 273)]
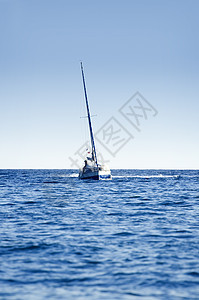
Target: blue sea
[(133, 237)]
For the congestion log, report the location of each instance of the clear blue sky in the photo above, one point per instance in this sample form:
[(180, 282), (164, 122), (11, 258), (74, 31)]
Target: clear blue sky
[(150, 46)]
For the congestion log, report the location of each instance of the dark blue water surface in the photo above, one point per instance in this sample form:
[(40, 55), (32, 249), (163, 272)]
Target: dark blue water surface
[(135, 237)]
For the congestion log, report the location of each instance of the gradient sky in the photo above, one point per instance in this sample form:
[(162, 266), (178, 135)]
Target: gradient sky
[(149, 46)]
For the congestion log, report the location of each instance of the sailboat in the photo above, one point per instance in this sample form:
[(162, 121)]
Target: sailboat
[(92, 169)]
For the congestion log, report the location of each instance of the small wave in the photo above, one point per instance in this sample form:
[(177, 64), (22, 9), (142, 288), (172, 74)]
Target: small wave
[(51, 182), (115, 214), (30, 202), (123, 233), (194, 274), (23, 248)]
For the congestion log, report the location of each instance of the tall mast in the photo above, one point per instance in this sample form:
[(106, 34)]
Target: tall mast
[(94, 156)]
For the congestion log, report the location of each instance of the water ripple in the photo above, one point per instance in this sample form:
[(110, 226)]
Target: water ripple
[(135, 237)]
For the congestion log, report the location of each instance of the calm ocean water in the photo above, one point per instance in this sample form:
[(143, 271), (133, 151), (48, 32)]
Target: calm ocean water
[(135, 237)]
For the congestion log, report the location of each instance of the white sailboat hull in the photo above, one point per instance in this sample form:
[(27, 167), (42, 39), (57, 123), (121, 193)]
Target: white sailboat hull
[(95, 174)]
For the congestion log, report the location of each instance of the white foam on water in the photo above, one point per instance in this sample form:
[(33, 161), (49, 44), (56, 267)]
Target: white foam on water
[(146, 176)]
